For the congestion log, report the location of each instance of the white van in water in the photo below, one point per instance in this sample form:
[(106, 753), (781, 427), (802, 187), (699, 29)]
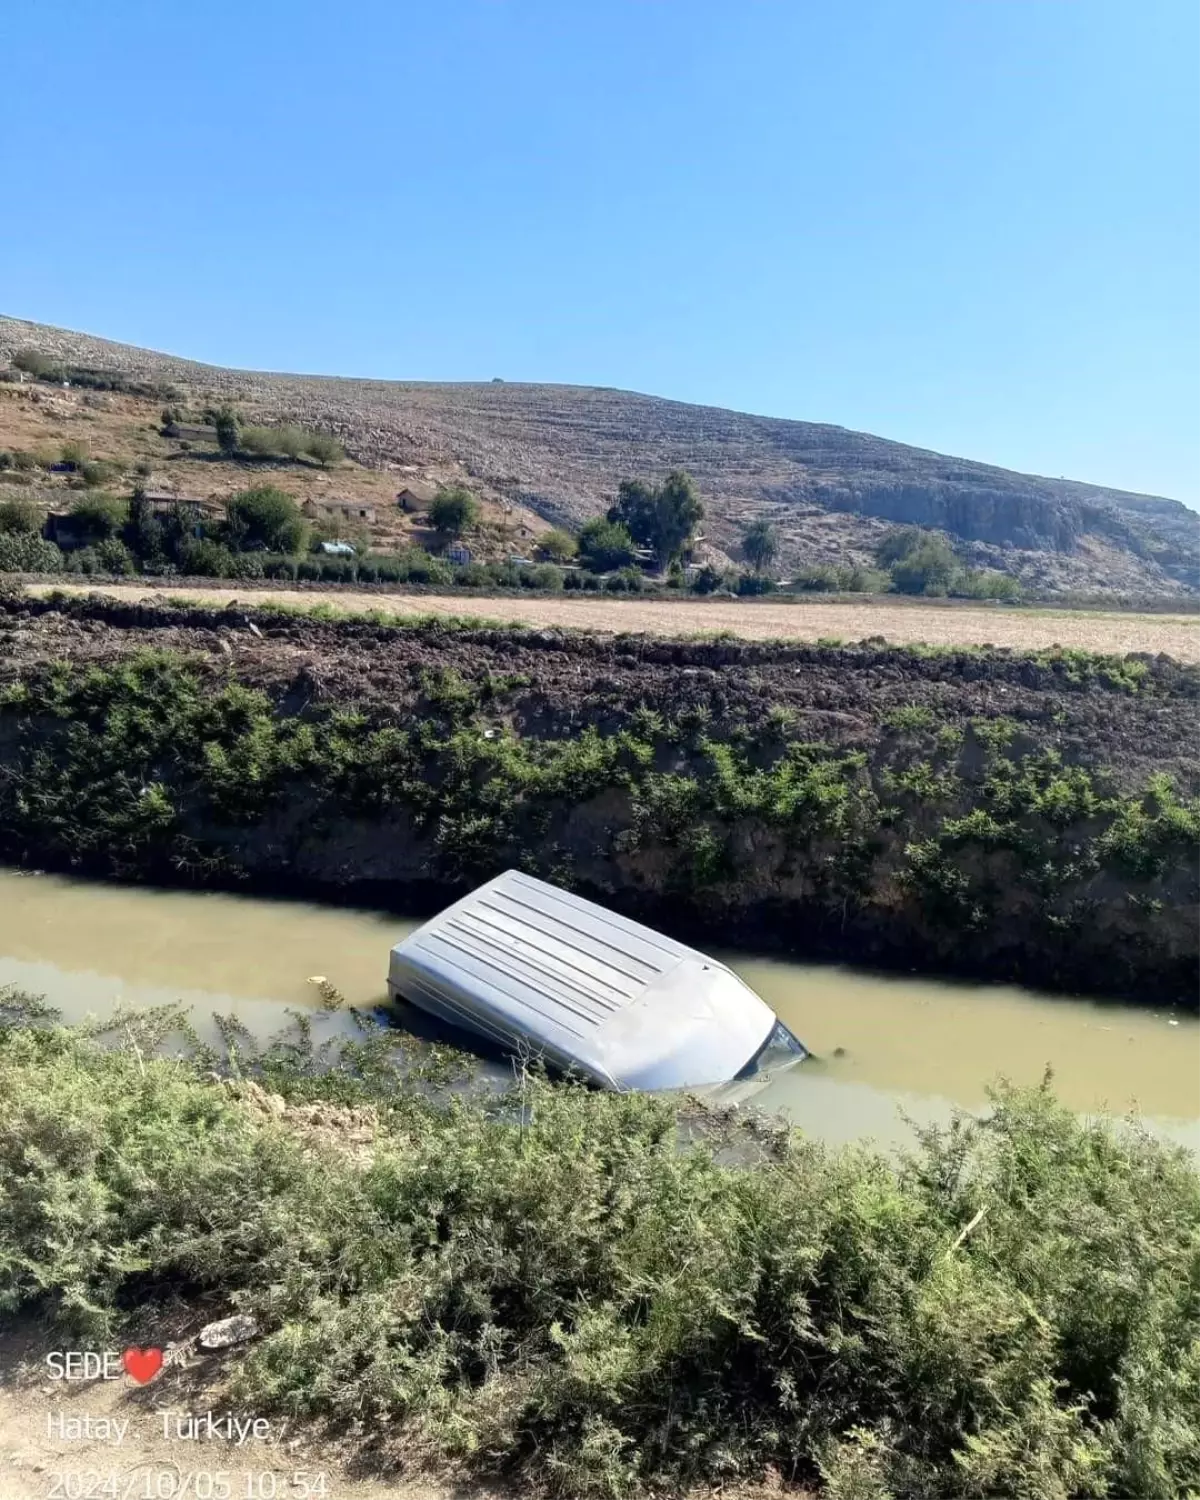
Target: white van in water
[(538, 970)]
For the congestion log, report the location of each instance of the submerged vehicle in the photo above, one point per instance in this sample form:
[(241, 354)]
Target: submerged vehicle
[(537, 970)]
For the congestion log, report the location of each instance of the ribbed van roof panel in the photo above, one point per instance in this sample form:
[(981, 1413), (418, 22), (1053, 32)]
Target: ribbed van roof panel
[(543, 952)]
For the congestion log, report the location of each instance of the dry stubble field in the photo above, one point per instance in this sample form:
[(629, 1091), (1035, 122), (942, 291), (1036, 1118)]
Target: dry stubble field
[(935, 624)]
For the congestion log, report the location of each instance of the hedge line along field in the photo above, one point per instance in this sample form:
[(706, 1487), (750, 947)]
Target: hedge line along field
[(801, 619), (1027, 817), (558, 1288)]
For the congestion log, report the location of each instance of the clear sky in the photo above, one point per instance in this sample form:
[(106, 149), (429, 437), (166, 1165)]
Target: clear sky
[(972, 225)]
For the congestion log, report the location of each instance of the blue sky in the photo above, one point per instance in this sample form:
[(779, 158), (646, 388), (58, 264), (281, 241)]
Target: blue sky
[(972, 225)]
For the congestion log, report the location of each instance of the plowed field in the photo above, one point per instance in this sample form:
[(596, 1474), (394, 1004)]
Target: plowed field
[(805, 620)]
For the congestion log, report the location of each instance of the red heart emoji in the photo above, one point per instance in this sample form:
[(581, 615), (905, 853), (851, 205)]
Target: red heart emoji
[(142, 1364)]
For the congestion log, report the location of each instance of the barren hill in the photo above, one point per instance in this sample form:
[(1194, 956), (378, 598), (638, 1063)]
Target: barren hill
[(561, 451)]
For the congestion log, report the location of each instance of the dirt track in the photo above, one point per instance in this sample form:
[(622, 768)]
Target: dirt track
[(1176, 635)]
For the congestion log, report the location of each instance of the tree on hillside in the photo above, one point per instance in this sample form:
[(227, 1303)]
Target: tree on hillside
[(663, 518), (264, 517), (324, 447), (919, 561), (144, 533), (760, 545), (34, 362), (226, 423), (454, 510), (558, 545), (605, 544)]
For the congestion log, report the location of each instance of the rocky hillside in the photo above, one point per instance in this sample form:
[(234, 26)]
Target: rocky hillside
[(561, 450)]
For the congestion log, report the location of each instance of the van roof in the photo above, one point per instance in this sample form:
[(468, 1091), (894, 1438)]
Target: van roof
[(542, 963), (574, 962)]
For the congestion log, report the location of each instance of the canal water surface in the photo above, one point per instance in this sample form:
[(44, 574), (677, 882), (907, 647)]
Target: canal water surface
[(887, 1050)]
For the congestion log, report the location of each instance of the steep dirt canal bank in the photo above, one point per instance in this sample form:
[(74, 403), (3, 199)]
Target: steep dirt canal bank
[(1025, 818)]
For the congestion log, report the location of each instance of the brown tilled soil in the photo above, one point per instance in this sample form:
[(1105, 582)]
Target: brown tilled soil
[(567, 680), (805, 620)]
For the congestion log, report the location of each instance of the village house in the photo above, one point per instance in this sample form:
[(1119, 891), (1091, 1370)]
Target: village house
[(161, 503), (340, 510), (415, 496)]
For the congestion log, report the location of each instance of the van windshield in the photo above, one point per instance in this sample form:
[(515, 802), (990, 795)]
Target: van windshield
[(779, 1049)]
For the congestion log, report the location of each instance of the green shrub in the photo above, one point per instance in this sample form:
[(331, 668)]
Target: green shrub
[(20, 516), (247, 565), (82, 560), (755, 583), (605, 544), (204, 557), (324, 447), (558, 545), (26, 552), (429, 570), (114, 556), (100, 516), (265, 517), (546, 576), (472, 575), (986, 583), (97, 472), (454, 510), (290, 440), (825, 578), (1008, 1310), (708, 579), (257, 441), (919, 561), (34, 362)]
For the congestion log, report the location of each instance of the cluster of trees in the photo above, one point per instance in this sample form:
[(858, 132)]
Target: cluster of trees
[(127, 536), (923, 562), (55, 371), (911, 560), (657, 519), (243, 440)]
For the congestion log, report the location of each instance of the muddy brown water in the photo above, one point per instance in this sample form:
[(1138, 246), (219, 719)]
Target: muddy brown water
[(885, 1048)]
